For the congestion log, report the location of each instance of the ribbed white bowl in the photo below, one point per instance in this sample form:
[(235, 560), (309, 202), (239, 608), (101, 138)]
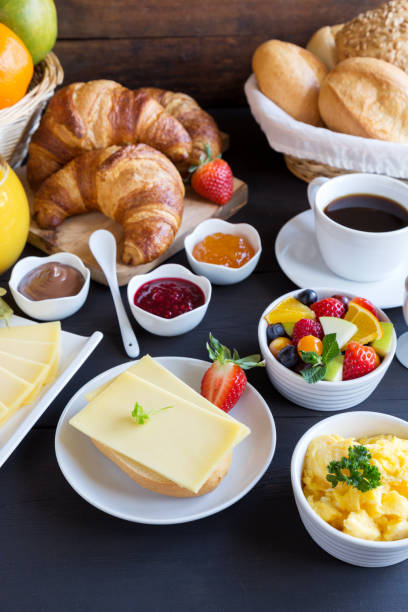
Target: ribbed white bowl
[(323, 395), (355, 551)]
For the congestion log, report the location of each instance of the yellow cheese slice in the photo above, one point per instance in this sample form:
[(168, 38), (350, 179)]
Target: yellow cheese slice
[(45, 352), (183, 443), (42, 332), (3, 411), (13, 391), (33, 372), (152, 371)]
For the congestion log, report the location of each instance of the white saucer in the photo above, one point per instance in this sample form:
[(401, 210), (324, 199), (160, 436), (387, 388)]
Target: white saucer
[(101, 483), (299, 257)]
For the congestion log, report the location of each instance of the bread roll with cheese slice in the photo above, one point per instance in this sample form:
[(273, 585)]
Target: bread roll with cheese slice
[(148, 479), (290, 76), (368, 97)]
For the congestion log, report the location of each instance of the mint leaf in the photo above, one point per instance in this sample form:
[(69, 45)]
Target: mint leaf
[(330, 348), (314, 374), (311, 357)]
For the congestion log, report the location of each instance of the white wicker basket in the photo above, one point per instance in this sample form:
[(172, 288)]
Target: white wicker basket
[(18, 122)]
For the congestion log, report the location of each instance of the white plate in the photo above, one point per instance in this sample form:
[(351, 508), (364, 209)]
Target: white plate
[(74, 351), (299, 257), (101, 483)]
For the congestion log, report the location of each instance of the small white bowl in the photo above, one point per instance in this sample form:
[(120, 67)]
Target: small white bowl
[(55, 308), (178, 325), (356, 551), (222, 275), (324, 395)]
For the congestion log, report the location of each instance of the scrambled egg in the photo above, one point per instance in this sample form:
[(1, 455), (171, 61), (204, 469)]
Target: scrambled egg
[(378, 514)]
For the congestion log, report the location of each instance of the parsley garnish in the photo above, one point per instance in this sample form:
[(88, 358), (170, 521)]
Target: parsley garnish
[(362, 475), (140, 416), (319, 362)]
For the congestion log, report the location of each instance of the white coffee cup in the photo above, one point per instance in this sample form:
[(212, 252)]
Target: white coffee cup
[(350, 253)]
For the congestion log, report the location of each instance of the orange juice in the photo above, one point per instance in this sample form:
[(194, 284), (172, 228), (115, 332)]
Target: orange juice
[(14, 217)]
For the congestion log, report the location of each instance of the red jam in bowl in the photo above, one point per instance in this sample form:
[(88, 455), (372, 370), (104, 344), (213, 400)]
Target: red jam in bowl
[(169, 297)]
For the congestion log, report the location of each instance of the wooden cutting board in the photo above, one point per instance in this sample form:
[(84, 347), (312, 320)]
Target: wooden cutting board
[(73, 234)]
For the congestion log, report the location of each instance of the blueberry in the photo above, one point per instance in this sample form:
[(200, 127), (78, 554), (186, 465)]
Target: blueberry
[(342, 298), (288, 356), (275, 331), (307, 297)]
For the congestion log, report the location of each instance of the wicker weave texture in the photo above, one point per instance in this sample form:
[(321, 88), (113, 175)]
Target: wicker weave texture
[(18, 122)]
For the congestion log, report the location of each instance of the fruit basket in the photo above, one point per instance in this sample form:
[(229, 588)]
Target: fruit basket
[(312, 151), (18, 122)]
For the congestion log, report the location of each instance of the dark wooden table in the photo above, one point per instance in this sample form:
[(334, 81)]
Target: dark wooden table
[(58, 553)]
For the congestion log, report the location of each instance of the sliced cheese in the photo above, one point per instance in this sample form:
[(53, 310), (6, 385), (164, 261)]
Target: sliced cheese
[(183, 443), (150, 370), (13, 391), (45, 352), (42, 332), (3, 411), (33, 372)]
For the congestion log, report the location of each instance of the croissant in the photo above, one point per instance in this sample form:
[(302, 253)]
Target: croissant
[(135, 184), (98, 114), (199, 124)]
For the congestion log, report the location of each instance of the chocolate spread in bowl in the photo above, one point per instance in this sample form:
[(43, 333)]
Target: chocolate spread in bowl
[(51, 280)]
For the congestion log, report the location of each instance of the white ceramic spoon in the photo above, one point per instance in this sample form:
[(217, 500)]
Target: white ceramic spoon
[(103, 247)]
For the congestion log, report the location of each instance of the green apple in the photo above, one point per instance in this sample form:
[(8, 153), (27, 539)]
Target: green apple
[(335, 369), (343, 329), (288, 327), (34, 21), (383, 346)]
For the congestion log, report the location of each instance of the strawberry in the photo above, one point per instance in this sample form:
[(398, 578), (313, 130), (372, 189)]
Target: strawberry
[(359, 360), (365, 304), (213, 179), (306, 327), (224, 382), (329, 307)]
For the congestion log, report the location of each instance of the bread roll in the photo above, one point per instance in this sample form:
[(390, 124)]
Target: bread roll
[(366, 97), (380, 33), (323, 45), (290, 76), (153, 481)]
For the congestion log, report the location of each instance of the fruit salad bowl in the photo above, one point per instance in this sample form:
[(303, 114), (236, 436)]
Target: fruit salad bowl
[(323, 395)]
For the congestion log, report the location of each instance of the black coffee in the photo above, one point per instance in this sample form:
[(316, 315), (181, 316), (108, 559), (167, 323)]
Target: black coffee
[(368, 213)]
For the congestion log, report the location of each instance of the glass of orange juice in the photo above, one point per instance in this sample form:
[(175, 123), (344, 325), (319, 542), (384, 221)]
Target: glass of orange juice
[(14, 216)]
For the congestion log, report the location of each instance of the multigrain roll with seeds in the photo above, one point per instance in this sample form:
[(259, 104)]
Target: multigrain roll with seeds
[(381, 33)]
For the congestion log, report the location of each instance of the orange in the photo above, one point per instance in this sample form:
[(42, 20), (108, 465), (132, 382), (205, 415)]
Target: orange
[(368, 326), (16, 67), (289, 311)]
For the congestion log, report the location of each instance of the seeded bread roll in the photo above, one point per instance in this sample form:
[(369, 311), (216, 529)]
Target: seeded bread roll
[(290, 76), (366, 97), (380, 33), (323, 45)]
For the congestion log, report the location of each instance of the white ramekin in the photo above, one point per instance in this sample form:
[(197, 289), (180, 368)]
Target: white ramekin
[(324, 395), (222, 275), (55, 308), (178, 325), (356, 551)]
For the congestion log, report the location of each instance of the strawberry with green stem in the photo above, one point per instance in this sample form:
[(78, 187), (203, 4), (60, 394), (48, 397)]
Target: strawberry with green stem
[(213, 179), (224, 382)]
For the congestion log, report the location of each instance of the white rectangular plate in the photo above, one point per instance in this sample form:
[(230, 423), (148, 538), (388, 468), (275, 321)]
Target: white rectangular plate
[(75, 350)]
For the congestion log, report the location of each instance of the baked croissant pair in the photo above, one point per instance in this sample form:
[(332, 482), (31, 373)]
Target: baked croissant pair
[(85, 156)]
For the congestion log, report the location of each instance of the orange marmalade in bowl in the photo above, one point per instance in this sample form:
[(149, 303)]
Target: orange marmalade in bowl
[(224, 250)]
